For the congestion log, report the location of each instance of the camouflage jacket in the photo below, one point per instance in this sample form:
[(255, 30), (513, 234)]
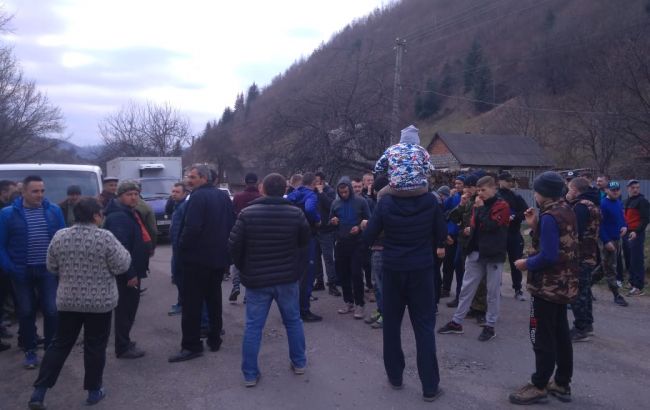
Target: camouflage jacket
[(462, 216), (558, 283), (588, 241)]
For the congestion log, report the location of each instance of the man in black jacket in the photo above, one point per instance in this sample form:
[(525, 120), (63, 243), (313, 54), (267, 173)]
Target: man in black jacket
[(265, 246), (203, 253), (325, 235), (126, 224), (517, 206)]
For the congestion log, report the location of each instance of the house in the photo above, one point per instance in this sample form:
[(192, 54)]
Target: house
[(520, 155)]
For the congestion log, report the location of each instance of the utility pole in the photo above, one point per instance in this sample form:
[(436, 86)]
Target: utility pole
[(400, 47)]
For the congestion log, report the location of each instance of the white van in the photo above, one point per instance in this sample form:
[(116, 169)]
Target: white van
[(57, 178)]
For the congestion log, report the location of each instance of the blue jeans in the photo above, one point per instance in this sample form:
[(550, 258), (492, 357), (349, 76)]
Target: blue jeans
[(36, 279), (378, 277), (258, 303), (326, 242)]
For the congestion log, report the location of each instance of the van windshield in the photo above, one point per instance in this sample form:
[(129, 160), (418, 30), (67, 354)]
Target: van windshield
[(57, 181), (157, 187)]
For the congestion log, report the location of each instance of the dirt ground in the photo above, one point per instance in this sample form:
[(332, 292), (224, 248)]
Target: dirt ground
[(345, 368)]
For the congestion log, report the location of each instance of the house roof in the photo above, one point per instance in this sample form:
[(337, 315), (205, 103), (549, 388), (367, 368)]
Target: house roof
[(495, 150)]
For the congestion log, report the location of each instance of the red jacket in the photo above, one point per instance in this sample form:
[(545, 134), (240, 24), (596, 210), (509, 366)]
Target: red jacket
[(242, 199)]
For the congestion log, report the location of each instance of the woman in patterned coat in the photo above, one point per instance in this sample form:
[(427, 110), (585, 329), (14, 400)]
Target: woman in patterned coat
[(86, 260)]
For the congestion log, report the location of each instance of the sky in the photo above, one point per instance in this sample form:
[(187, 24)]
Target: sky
[(91, 57)]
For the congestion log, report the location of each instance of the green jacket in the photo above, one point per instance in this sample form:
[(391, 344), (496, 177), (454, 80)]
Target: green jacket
[(462, 216), (149, 220)]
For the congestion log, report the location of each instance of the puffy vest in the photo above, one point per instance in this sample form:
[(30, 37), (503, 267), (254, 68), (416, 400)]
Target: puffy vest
[(558, 283), (588, 244)]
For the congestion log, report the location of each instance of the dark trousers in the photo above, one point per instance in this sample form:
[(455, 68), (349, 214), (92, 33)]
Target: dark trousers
[(5, 290), (349, 257), (549, 333), (177, 275), (437, 279), (97, 328), (201, 284), (367, 268), (449, 265), (459, 263), (635, 264), (125, 312), (582, 307), (308, 266), (515, 251), (415, 290)]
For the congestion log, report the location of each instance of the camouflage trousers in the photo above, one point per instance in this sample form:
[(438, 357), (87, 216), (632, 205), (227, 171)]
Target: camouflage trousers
[(608, 265), (582, 308)]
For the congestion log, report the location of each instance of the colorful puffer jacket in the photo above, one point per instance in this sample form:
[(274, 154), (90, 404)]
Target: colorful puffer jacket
[(406, 165)]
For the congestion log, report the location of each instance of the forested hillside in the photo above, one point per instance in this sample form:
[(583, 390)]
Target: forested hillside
[(573, 74)]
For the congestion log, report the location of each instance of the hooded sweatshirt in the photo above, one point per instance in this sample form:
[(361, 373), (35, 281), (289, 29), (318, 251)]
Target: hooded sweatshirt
[(406, 164), (350, 211)]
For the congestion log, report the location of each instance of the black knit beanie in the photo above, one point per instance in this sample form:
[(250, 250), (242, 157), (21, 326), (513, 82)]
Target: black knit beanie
[(549, 184)]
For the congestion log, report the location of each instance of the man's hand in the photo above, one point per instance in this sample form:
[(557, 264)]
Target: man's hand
[(521, 264), (478, 202), (355, 230), (531, 217), (467, 231), (610, 246), (440, 252), (363, 225), (623, 231), (450, 240), (319, 188), (133, 283), (631, 236), (334, 221)]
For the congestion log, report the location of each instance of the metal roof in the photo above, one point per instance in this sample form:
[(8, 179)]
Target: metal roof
[(495, 150)]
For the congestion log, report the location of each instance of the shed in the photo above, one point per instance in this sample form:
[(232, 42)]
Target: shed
[(518, 154)]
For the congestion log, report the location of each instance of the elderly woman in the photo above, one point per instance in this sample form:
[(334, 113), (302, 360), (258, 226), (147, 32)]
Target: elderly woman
[(86, 260)]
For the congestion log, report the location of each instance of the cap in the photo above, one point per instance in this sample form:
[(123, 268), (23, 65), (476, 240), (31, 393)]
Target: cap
[(613, 186), (110, 179), (632, 182), (126, 186), (250, 178), (505, 176), (74, 190), (444, 190)]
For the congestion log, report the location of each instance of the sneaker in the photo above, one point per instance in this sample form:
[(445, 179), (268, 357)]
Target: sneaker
[(252, 383), (95, 396), (619, 300), (312, 298), (589, 330), (297, 370), (310, 317), (31, 360), (359, 312), (636, 292), (333, 291), (234, 294), (529, 394), (37, 400), (445, 293), (373, 317), (132, 353), (396, 385), (379, 323), (348, 308), (488, 333), (619, 284), (578, 335), (429, 397), (480, 320), (453, 303), (519, 295), (562, 393), (175, 310), (451, 327), (319, 285)]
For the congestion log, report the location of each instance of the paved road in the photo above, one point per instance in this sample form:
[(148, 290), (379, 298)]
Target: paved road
[(345, 366)]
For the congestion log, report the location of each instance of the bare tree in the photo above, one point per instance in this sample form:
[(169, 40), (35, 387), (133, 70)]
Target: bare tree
[(149, 129)]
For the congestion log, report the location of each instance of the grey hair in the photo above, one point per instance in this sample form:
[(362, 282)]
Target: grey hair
[(203, 171)]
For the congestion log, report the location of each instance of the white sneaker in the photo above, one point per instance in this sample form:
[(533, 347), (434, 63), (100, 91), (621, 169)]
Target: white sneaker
[(348, 308), (519, 295), (359, 312), (619, 284)]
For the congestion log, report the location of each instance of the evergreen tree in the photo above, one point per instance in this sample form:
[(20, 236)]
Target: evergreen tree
[(427, 103), (227, 116), (239, 103), (473, 61), (252, 94), (482, 89)]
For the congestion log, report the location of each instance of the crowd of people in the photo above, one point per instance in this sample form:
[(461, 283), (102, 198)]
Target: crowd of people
[(388, 238)]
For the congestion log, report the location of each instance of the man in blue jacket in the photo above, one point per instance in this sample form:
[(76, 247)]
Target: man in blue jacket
[(306, 199), (612, 229), (26, 229), (414, 229), (203, 252)]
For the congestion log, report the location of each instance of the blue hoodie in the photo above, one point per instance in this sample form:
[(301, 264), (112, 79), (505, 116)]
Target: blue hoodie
[(613, 219), (307, 200)]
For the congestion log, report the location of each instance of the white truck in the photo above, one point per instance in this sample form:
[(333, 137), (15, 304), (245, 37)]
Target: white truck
[(156, 175)]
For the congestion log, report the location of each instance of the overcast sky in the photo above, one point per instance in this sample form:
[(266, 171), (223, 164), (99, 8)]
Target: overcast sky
[(93, 56)]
